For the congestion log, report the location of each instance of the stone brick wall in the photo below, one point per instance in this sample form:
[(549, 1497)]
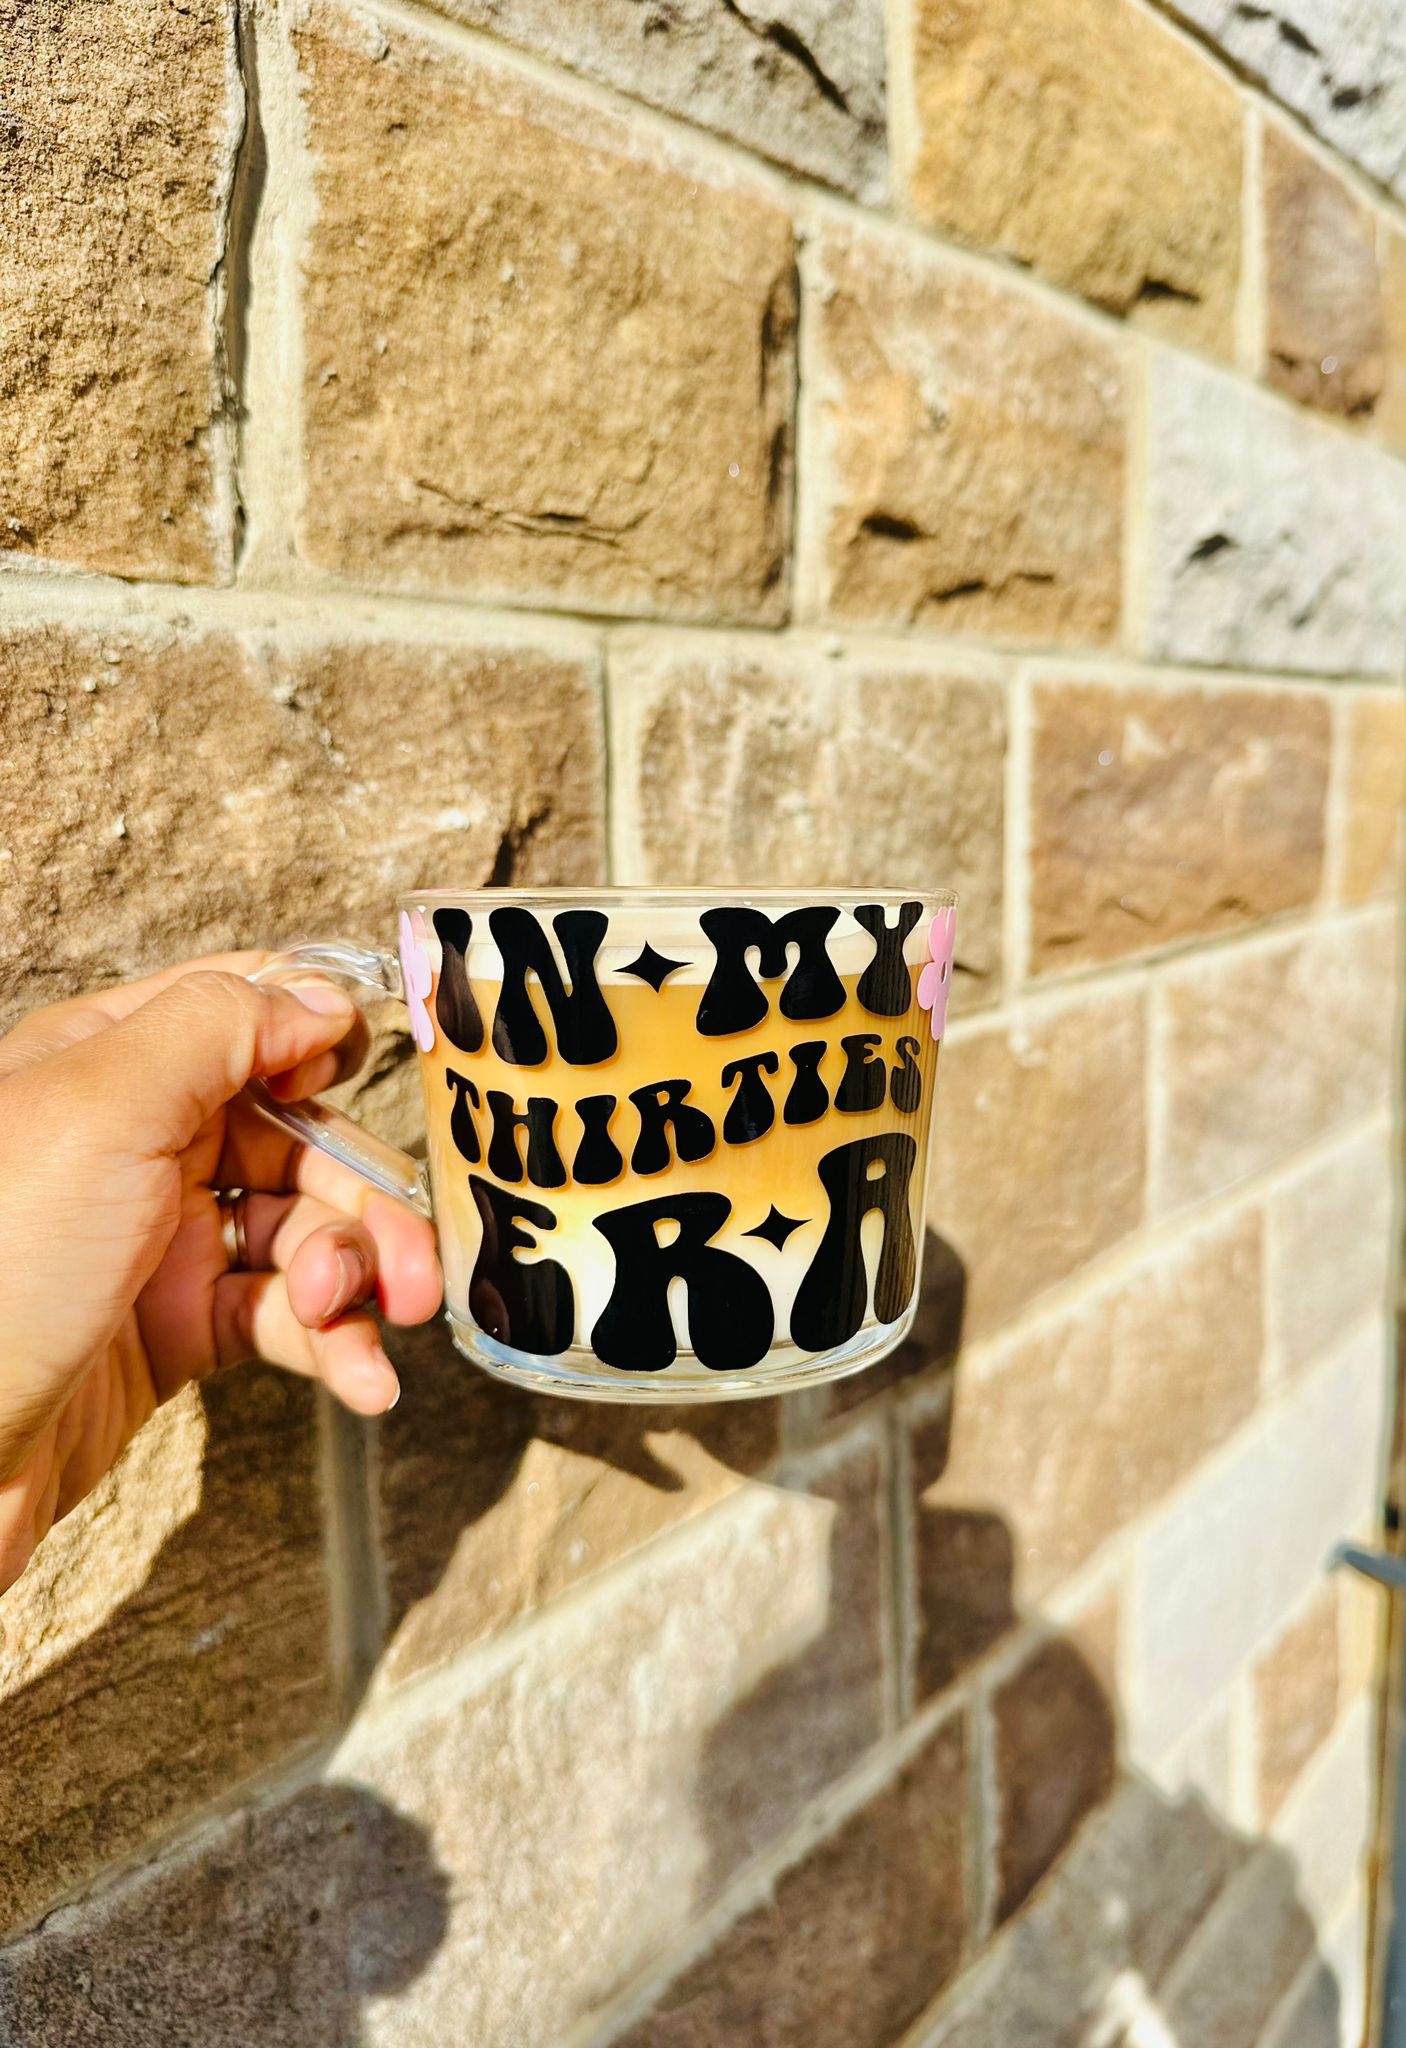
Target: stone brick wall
[(705, 440)]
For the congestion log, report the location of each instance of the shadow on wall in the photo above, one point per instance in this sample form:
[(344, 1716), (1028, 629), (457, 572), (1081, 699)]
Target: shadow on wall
[(293, 1921)]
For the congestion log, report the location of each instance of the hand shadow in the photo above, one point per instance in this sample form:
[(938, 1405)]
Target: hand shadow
[(272, 1935), (280, 1923)]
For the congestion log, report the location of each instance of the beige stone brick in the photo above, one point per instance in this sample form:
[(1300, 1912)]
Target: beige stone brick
[(799, 80), (1274, 541), (99, 1556), (1095, 1629), (574, 1802), (203, 790), (818, 1712), (346, 1911), (287, 1922), (751, 765), (120, 128), (972, 443), (1346, 1949), (1089, 141), (1296, 1686), (1362, 1622), (1156, 814), (175, 1629), (1326, 1822), (547, 360), (1206, 1763), (1263, 1050), (1346, 76), (854, 1940), (1238, 1548), (1055, 1741), (1391, 407), (1241, 1961), (1330, 1249), (1326, 2006), (1324, 331), (1039, 1149), (1111, 1920), (1080, 1427), (1373, 851), (963, 1565), (492, 1502)]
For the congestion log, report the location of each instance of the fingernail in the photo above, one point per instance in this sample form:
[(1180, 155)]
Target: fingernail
[(383, 1385), (326, 1001), (351, 1278)]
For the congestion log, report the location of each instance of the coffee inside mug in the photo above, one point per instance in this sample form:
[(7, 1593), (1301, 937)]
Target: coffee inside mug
[(677, 1143)]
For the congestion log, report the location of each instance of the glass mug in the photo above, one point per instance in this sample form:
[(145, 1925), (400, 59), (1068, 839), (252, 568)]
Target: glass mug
[(677, 1139)]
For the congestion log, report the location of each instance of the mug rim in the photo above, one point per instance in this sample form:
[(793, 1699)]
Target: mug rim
[(645, 895)]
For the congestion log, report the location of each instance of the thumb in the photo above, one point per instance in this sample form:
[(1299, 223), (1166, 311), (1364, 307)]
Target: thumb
[(163, 1071)]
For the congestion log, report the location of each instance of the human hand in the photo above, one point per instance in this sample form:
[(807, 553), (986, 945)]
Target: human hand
[(120, 1119)]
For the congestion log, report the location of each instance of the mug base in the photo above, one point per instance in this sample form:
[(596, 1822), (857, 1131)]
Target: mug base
[(579, 1375)]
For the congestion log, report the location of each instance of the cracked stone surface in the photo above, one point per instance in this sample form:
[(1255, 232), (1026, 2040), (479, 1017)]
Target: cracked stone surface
[(206, 792), (1325, 339), (802, 81), (119, 123), (543, 363), (1275, 543), (1342, 66), (1089, 140), (972, 445)]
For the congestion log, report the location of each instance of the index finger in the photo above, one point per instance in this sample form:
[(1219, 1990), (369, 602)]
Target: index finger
[(60, 1025)]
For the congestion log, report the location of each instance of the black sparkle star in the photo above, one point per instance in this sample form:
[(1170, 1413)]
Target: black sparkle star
[(655, 968), (776, 1228)]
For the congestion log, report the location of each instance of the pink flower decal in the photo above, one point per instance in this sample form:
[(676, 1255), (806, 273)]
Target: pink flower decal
[(935, 981), (415, 973)]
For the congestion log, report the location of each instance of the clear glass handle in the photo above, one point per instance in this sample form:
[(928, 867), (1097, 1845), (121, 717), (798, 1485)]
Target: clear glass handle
[(364, 972)]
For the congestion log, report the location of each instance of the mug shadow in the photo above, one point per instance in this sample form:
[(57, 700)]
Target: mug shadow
[(306, 1909)]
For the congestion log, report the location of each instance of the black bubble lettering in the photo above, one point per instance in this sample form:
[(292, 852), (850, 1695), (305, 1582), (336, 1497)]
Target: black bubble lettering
[(871, 1173), (729, 1312), (664, 1107), (906, 1080), (751, 1112), (462, 1128), (454, 1006), (886, 986), (807, 1099), (733, 1000), (598, 1159), (864, 1082), (530, 1306), (544, 1167), (581, 1019)]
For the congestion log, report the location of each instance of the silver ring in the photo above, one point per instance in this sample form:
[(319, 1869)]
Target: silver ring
[(233, 1205)]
